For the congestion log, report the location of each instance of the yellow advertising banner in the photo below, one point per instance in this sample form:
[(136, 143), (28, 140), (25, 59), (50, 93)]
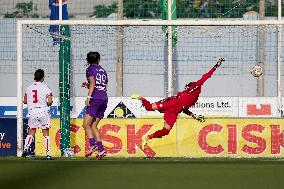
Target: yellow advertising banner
[(231, 138), (77, 139), (188, 138)]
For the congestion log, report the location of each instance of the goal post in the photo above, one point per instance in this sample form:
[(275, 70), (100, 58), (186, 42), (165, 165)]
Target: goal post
[(64, 87), (19, 90), (198, 45)]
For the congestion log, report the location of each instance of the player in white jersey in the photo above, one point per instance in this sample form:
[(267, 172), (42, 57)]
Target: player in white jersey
[(38, 97)]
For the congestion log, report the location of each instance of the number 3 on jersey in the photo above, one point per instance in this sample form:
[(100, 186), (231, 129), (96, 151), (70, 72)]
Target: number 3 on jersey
[(35, 100)]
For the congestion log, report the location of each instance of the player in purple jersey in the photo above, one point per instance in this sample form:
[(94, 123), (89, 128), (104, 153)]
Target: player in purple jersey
[(96, 103)]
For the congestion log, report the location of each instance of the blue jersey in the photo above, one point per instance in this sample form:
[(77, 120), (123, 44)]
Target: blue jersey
[(101, 79)]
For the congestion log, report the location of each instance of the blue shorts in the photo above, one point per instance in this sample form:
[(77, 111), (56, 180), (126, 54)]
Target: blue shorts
[(97, 108)]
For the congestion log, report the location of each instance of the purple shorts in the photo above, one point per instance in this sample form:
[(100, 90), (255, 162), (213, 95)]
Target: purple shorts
[(97, 108)]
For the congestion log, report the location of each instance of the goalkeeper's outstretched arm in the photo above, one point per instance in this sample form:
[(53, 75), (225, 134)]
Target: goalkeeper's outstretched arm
[(199, 118), (187, 112), (210, 73)]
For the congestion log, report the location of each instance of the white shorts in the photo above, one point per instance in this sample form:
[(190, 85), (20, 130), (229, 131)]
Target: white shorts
[(39, 120)]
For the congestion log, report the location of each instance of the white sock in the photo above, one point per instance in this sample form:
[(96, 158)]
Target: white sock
[(47, 145), (28, 141)]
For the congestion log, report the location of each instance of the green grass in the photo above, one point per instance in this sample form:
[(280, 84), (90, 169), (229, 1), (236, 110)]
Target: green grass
[(139, 173)]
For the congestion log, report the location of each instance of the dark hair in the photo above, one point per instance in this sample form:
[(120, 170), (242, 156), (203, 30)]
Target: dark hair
[(189, 84), (93, 57), (39, 74)]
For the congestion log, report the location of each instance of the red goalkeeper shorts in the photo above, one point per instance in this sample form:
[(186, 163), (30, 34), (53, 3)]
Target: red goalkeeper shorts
[(170, 118), (170, 109)]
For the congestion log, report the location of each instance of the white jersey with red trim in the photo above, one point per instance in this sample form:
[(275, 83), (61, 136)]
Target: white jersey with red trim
[(36, 95)]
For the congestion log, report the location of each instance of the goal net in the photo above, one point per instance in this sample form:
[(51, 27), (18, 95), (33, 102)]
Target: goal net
[(136, 57)]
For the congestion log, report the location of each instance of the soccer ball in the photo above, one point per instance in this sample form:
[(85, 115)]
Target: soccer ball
[(68, 152), (256, 71)]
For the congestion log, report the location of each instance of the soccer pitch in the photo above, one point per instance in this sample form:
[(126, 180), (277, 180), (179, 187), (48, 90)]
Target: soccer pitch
[(139, 173)]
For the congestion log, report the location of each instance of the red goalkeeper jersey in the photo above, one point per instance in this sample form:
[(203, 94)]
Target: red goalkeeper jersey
[(184, 99)]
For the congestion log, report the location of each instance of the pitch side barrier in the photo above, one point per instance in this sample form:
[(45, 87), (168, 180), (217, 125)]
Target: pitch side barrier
[(217, 137), (8, 136), (226, 137)]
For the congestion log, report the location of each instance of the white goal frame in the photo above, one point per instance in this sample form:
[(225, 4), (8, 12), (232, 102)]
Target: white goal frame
[(190, 22)]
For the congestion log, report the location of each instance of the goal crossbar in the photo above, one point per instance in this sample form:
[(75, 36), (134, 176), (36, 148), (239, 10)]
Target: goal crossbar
[(189, 22)]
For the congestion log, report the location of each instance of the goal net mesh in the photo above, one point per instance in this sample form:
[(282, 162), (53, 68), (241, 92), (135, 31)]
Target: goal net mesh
[(145, 59)]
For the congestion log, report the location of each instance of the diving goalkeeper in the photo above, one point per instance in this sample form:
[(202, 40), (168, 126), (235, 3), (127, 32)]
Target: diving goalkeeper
[(172, 106)]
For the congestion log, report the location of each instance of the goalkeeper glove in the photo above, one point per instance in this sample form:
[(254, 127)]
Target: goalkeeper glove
[(199, 118), (220, 62)]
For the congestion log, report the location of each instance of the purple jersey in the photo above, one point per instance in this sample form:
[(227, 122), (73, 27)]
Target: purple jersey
[(101, 79)]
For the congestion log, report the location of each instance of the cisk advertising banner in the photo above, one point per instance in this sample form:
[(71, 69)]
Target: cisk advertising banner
[(77, 134), (231, 138), (121, 138), (188, 138)]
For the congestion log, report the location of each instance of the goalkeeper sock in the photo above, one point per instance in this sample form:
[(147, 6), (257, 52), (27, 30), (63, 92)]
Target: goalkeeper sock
[(159, 133), (47, 145), (147, 105), (28, 141), (100, 146), (92, 142)]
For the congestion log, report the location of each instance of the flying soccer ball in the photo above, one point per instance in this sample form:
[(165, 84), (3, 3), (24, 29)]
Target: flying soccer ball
[(256, 71), (68, 152)]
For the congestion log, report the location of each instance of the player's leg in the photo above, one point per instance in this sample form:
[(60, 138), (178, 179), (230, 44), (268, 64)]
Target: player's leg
[(148, 106), (170, 119), (44, 120), (88, 121), (96, 133), (33, 123), (28, 141), (87, 125), (45, 133), (98, 109), (102, 105), (158, 134), (99, 143), (162, 105)]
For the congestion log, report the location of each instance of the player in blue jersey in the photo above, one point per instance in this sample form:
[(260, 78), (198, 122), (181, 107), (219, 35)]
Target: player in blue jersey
[(96, 103)]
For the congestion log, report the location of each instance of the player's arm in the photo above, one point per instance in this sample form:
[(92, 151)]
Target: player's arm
[(49, 100), (199, 118), (25, 101), (92, 83), (106, 87), (85, 84), (187, 112), (49, 95), (210, 73)]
